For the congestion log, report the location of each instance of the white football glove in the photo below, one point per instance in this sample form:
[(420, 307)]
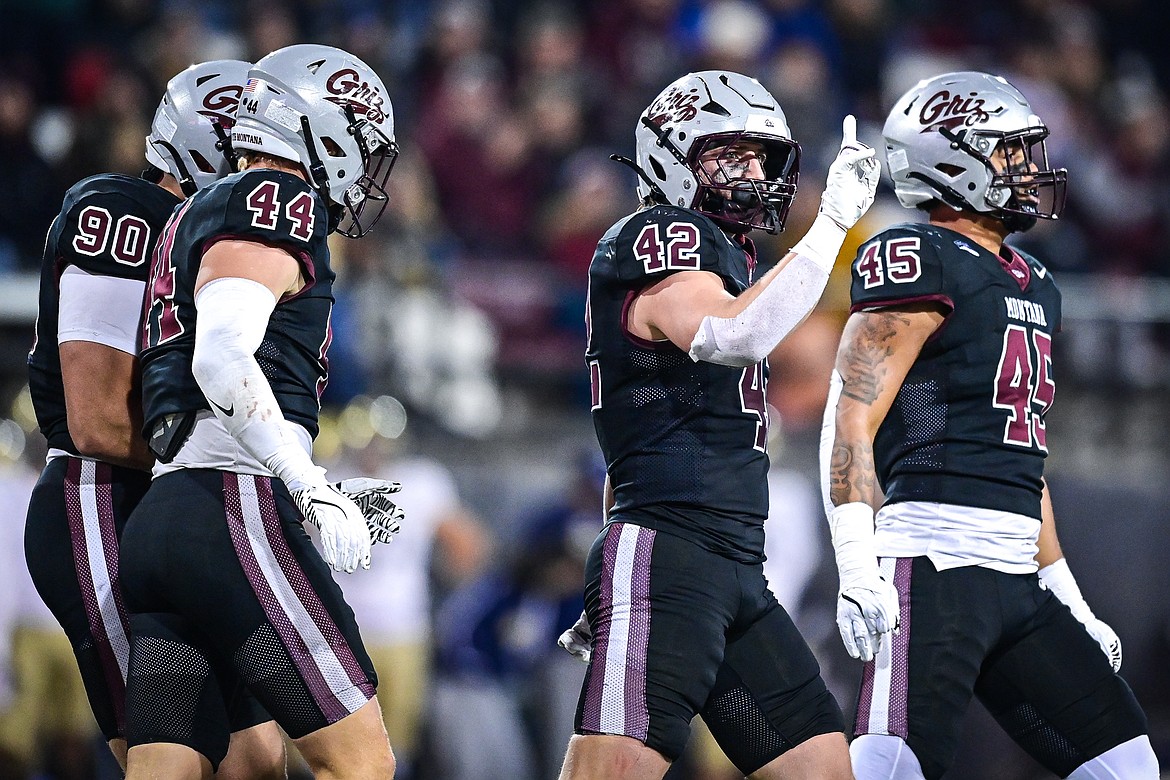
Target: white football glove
[(345, 537), (578, 640), (1058, 578), (383, 516), (852, 179), (867, 604)]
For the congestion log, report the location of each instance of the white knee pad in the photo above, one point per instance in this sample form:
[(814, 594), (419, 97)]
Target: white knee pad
[(883, 757), (1132, 760)]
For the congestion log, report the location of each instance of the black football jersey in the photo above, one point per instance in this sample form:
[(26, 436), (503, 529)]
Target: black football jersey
[(107, 226), (270, 207), (967, 426), (683, 441)]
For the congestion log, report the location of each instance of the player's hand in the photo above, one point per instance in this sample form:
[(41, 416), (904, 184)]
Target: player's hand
[(1058, 578), (867, 604), (1107, 638), (578, 640), (852, 179), (345, 537), (372, 496), (866, 612)]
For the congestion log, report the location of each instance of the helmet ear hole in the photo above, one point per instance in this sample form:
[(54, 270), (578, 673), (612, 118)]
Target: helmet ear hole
[(950, 170), (201, 162), (332, 148), (658, 170)]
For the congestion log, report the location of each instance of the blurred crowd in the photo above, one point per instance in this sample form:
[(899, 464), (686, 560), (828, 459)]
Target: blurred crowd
[(507, 110), (463, 311)]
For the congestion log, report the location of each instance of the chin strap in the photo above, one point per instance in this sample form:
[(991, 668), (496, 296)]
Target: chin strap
[(317, 170), (224, 146), (655, 190), (186, 183)]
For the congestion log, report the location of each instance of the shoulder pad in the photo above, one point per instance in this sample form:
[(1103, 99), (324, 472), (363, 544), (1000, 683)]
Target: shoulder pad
[(900, 265), (658, 241), (108, 225), (265, 205)]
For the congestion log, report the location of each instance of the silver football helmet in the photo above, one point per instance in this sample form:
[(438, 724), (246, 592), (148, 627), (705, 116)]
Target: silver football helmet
[(971, 140), (189, 135), (710, 109), (326, 109)]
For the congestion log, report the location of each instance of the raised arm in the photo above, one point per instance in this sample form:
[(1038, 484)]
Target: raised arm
[(694, 311)]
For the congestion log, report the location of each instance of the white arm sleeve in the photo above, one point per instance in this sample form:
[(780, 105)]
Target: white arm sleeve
[(828, 437), (102, 309), (788, 298), (232, 318)]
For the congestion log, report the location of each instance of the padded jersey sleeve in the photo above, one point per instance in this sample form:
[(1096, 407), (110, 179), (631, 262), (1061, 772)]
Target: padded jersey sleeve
[(108, 234), (659, 241), (899, 265), (101, 309), (273, 208)]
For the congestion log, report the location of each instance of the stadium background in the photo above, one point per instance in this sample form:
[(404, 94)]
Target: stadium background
[(459, 336)]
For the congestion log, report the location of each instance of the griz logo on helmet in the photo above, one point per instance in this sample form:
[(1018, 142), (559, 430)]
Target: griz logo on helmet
[(220, 106), (675, 106), (359, 95), (942, 109)]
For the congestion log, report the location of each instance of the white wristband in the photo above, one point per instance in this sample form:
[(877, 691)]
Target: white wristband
[(851, 526), (1058, 578), (822, 243)]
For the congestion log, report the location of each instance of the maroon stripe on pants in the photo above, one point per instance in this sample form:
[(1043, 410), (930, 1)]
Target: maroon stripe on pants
[(637, 712), (634, 718), (298, 651), (897, 722), (304, 590), (591, 715), (111, 670), (900, 662)]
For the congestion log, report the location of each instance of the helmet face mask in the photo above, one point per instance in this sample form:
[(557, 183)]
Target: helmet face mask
[(710, 110), (378, 155), (327, 110), (970, 140), (189, 134), (1023, 186), (738, 201)]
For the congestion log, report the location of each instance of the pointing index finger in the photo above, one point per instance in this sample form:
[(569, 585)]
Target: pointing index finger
[(849, 131)]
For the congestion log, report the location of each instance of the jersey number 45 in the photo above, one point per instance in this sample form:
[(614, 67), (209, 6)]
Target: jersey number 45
[(1024, 385)]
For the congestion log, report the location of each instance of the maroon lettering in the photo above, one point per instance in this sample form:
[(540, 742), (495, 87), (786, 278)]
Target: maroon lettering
[(753, 401), (943, 108), (363, 97)]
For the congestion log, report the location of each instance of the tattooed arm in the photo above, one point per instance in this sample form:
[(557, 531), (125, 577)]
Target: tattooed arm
[(877, 350)]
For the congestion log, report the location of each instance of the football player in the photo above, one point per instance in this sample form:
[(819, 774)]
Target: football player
[(679, 331), (942, 383), (85, 386), (219, 573)]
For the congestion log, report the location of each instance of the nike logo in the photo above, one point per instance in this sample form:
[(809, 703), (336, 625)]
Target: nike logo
[(1041, 272), (227, 411)]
